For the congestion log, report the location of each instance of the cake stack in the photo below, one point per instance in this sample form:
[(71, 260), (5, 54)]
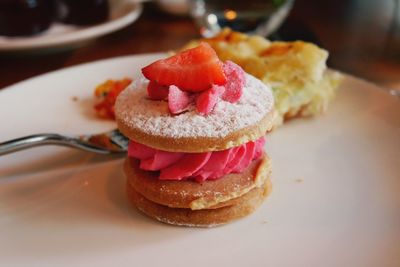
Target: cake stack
[(196, 128)]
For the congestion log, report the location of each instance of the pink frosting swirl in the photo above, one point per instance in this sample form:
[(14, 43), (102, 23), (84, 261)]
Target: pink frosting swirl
[(198, 166)]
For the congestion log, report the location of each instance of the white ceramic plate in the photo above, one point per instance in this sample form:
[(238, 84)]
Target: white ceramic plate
[(335, 201), (122, 13)]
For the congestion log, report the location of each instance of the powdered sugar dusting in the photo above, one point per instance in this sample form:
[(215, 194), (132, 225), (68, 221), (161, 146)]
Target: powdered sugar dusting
[(153, 117)]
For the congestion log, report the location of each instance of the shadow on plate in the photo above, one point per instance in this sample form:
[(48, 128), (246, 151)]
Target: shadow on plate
[(90, 196)]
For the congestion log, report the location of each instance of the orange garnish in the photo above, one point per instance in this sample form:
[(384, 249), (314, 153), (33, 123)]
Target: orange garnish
[(107, 93)]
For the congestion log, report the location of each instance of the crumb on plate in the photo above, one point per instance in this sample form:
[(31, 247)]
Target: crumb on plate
[(106, 94)]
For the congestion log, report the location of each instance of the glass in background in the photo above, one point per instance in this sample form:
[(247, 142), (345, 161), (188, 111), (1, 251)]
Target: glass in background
[(261, 17)]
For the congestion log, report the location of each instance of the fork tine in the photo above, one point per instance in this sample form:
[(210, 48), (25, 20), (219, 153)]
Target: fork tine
[(119, 139), (113, 141)]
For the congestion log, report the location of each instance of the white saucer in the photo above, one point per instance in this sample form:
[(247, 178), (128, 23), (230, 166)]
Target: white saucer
[(122, 13)]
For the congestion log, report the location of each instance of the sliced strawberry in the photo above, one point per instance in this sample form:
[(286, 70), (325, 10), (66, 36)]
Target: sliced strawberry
[(235, 83), (178, 100), (207, 100), (160, 160), (185, 167), (192, 70), (156, 91), (139, 151)]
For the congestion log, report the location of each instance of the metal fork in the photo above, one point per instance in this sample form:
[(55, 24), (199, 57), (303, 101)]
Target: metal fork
[(112, 142)]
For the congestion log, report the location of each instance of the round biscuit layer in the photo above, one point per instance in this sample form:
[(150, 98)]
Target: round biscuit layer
[(245, 205), (189, 194), (150, 123)]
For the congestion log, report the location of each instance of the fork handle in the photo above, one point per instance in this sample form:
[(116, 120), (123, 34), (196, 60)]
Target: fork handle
[(46, 139), (30, 141)]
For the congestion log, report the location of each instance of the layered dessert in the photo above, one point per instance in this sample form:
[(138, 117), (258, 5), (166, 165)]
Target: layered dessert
[(197, 132)]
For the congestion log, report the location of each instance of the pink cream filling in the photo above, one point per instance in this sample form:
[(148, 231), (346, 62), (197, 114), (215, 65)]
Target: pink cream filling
[(199, 166)]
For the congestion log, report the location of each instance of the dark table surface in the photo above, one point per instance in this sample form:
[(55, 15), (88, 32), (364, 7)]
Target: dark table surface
[(363, 38)]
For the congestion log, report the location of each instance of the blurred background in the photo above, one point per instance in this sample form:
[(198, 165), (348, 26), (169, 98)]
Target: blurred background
[(362, 36)]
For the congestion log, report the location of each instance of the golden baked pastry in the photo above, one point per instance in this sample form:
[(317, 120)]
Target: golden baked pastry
[(296, 71)]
